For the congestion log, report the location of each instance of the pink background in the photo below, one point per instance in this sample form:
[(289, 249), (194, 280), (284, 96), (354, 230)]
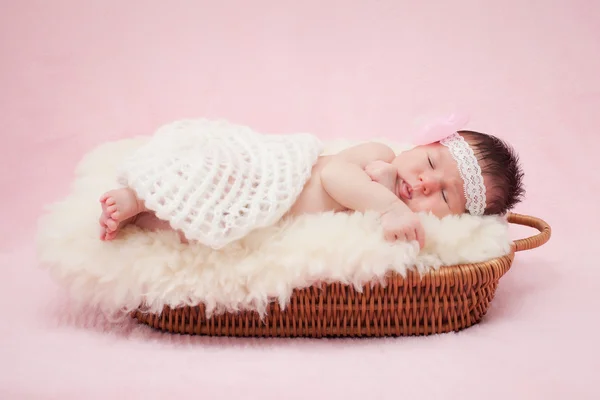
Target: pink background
[(74, 74)]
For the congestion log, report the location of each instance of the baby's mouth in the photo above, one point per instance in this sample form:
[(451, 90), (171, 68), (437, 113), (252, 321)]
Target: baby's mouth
[(404, 190)]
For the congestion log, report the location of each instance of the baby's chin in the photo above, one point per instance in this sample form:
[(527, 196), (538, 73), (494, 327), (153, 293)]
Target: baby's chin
[(411, 206), (414, 206)]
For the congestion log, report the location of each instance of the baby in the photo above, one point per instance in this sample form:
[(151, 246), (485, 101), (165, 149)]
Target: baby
[(466, 172)]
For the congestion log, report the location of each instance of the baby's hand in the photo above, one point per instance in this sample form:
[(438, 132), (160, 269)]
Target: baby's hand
[(383, 173), (400, 224)]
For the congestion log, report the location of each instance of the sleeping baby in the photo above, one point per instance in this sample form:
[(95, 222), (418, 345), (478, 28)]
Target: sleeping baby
[(462, 172)]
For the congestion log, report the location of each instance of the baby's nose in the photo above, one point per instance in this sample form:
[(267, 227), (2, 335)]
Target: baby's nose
[(427, 185)]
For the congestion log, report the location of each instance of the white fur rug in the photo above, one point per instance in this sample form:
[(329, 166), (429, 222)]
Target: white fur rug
[(155, 269)]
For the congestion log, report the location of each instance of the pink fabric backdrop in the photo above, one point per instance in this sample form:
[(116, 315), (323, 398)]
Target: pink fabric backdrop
[(74, 74)]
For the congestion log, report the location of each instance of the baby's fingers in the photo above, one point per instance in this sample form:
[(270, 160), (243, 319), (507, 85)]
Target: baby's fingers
[(390, 236)]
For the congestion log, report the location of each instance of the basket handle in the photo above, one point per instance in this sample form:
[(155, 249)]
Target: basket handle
[(533, 222)]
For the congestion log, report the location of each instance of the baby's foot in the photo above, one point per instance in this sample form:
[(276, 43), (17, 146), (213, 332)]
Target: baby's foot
[(119, 207)]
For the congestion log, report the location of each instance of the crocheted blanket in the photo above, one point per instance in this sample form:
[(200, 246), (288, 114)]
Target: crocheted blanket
[(216, 181)]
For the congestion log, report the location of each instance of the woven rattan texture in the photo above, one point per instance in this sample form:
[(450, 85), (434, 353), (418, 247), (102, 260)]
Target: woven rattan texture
[(451, 298)]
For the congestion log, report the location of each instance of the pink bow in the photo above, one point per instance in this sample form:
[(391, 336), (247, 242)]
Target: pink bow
[(441, 129)]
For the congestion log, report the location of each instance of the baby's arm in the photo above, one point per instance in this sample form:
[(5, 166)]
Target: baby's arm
[(383, 173), (347, 182)]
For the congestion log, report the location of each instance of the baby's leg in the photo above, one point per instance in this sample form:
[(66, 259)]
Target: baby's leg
[(149, 221), (119, 207)]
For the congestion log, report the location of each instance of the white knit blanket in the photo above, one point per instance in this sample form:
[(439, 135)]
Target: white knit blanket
[(217, 181)]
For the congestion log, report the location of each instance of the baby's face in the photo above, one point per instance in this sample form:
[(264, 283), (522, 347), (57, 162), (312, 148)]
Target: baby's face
[(428, 180)]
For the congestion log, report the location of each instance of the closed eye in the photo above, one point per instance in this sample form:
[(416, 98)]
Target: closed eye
[(444, 196), (430, 163)]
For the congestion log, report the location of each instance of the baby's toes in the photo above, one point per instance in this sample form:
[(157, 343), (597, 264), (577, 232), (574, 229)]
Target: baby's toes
[(111, 224), (115, 215), (110, 201), (111, 209)]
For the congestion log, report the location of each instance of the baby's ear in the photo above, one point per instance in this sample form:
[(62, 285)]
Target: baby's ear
[(439, 129)]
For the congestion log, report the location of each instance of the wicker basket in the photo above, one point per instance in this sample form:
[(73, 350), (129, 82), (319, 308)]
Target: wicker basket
[(448, 299)]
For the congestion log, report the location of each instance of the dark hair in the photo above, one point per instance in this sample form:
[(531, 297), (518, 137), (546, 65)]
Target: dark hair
[(500, 165)]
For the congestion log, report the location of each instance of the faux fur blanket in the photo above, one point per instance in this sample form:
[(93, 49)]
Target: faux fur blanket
[(155, 268)]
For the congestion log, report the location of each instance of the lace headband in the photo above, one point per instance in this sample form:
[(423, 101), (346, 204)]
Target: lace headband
[(446, 133), (470, 172)]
